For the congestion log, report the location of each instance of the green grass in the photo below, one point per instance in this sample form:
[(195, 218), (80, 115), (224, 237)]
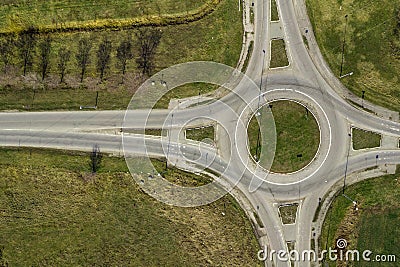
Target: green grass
[(278, 54), (365, 139), (377, 223), (199, 134), (372, 48), (54, 212), (274, 11), (13, 98), (217, 37), (387, 221), (42, 13), (296, 133), (157, 132)]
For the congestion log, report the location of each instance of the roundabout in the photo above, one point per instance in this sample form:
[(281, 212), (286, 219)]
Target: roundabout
[(261, 190)]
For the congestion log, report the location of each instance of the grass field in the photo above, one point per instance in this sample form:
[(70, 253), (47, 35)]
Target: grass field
[(296, 132), (54, 212), (41, 12), (382, 240), (372, 49), (217, 37), (365, 139), (278, 54), (376, 225)]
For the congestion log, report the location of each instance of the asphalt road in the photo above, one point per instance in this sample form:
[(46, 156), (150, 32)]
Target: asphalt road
[(307, 80)]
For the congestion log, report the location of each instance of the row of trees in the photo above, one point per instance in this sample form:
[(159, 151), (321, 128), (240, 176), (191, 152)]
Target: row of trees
[(27, 45)]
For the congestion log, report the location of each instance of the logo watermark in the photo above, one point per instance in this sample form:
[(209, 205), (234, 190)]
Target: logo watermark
[(340, 253)]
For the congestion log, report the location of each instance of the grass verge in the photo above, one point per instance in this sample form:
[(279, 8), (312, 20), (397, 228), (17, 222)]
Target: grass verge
[(278, 54), (154, 132), (360, 106), (200, 134), (274, 11), (55, 212), (288, 213), (372, 49), (305, 41), (249, 53), (375, 226), (365, 139), (157, 132), (185, 91), (297, 136)]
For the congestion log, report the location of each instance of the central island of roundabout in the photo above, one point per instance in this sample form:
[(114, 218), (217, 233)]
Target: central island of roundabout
[(297, 136), (300, 143)]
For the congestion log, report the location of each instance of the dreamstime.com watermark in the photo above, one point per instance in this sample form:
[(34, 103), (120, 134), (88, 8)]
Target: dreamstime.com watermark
[(340, 253)]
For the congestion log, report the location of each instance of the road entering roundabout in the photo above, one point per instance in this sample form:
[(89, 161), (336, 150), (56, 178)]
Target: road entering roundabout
[(231, 114)]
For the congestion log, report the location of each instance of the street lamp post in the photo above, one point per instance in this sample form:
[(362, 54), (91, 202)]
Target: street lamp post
[(362, 98), (347, 163), (299, 156), (198, 99), (169, 141), (164, 84), (262, 73), (97, 99), (344, 44), (258, 108), (258, 140)]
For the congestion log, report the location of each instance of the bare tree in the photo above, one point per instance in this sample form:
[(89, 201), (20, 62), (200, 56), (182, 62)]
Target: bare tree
[(44, 49), (83, 55), (64, 56), (103, 57), (6, 51), (26, 45), (95, 159), (148, 40), (124, 53)]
